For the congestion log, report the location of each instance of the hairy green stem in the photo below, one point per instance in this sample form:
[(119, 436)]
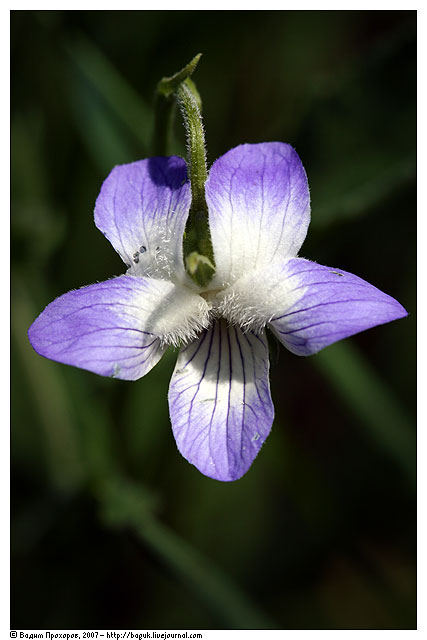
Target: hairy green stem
[(197, 244), (198, 250), (198, 171)]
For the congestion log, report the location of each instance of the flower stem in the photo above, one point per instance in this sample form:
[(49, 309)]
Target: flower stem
[(198, 250), (164, 107), (196, 146), (197, 244)]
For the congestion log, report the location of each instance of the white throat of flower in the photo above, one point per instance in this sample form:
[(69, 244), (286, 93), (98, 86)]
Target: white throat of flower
[(250, 303), (255, 298)]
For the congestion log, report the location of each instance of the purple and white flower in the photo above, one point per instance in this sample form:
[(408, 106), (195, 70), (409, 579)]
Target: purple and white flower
[(259, 211)]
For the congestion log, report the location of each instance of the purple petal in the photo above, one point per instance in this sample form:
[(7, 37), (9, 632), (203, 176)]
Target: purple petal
[(328, 304), (102, 328), (219, 401), (259, 208), (142, 210)]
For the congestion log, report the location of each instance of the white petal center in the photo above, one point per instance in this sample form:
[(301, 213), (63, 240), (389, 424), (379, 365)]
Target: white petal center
[(177, 314), (255, 298)]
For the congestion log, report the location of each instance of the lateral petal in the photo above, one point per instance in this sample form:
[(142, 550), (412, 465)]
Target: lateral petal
[(259, 208), (322, 305), (119, 327), (219, 401), (142, 209)]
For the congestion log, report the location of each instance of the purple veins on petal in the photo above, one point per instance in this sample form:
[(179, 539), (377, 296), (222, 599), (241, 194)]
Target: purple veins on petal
[(143, 206), (102, 328), (329, 308), (220, 403), (258, 192)]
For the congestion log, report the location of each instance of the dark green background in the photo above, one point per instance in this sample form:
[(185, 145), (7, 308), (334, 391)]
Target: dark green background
[(111, 527)]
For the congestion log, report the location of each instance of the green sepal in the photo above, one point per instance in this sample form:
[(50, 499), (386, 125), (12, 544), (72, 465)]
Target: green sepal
[(197, 249), (168, 85), (199, 268)]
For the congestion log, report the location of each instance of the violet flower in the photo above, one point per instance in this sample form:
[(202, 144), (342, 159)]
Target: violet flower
[(259, 211)]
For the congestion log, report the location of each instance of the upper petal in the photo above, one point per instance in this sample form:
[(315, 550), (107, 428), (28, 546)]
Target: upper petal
[(219, 401), (259, 208), (142, 209), (118, 327), (321, 305)]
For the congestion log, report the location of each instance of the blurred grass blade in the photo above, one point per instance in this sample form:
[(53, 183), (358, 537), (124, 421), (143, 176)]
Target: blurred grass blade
[(126, 504), (219, 593), (342, 198), (369, 398), (113, 88), (51, 398), (98, 437), (100, 134)]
